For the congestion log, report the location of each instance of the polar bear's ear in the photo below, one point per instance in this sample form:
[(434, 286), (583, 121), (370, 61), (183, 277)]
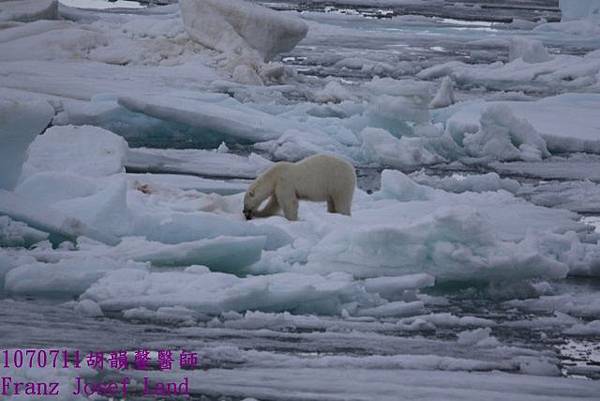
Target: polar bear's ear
[(251, 193)]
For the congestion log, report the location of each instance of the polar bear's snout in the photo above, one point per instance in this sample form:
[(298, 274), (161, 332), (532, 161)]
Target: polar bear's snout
[(248, 214)]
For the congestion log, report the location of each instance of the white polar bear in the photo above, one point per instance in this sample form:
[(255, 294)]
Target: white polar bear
[(317, 178)]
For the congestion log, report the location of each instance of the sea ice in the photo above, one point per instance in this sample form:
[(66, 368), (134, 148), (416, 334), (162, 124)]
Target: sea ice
[(592, 328), (17, 234), (60, 227), (226, 117), (240, 28), (579, 9), (505, 137), (530, 51), (214, 293), (85, 150), (579, 133), (68, 277), (463, 183), (20, 122), (89, 308), (198, 162), (220, 254), (445, 95), (28, 10)]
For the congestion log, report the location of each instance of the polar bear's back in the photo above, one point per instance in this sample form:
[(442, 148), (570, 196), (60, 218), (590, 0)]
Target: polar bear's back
[(321, 176)]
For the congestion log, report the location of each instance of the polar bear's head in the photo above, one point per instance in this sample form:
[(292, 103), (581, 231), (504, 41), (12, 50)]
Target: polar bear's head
[(257, 192), (250, 204)]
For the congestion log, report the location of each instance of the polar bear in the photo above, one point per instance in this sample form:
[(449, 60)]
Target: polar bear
[(317, 178)]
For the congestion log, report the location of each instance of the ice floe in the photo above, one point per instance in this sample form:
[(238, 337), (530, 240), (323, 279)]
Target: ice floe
[(20, 122)]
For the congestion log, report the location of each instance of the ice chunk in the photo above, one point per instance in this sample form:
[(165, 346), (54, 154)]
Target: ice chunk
[(173, 228), (56, 44), (59, 226), (580, 133), (452, 245), (28, 10), (450, 320), (105, 210), (560, 73), (55, 186), (222, 253), (32, 28), (165, 315), (474, 182), (381, 147), (392, 287), (226, 118), (397, 185), (334, 92), (20, 123), (102, 5), (152, 182), (238, 27), (214, 293), (585, 329), (195, 162), (68, 277), (14, 233), (579, 9), (538, 367), (578, 196), (478, 338), (247, 75), (558, 320), (445, 95), (394, 309), (9, 259), (88, 308), (295, 145), (85, 150), (504, 137), (223, 148), (582, 258), (401, 108), (530, 51), (581, 305)]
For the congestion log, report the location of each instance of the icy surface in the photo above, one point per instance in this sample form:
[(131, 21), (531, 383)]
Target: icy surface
[(214, 293), (577, 134), (20, 122), (240, 28), (579, 9), (49, 220), (85, 151), (28, 10)]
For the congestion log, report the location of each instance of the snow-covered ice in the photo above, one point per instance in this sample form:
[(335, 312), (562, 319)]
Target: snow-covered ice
[(28, 10), (20, 122), (579, 9), (239, 28)]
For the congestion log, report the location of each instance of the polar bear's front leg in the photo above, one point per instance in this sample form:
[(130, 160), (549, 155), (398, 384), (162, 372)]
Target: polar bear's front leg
[(342, 205), (286, 197), (271, 208)]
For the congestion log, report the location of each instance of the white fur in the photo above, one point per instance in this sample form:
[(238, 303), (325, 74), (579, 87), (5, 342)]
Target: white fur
[(320, 178)]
